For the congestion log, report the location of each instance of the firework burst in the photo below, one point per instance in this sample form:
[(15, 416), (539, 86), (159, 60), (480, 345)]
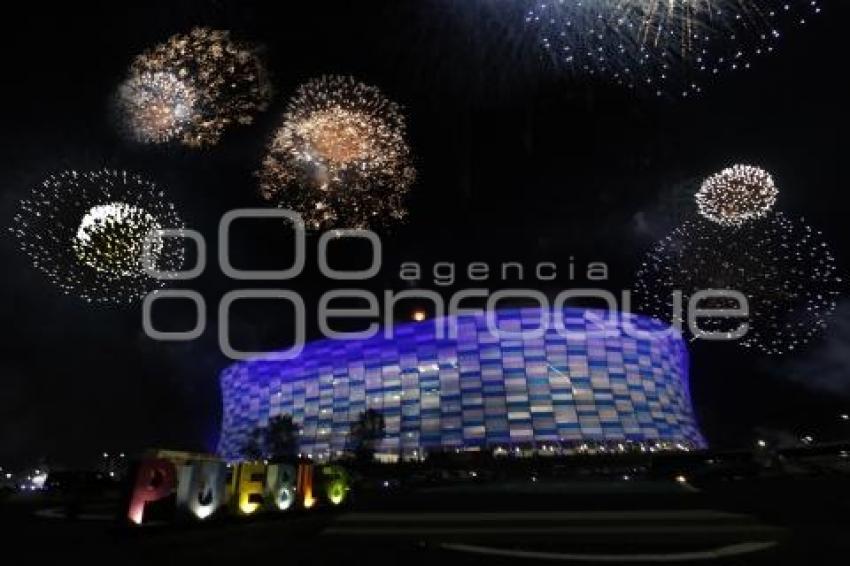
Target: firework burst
[(86, 232), (737, 195), (782, 265), (157, 107), (340, 158), (663, 46), (192, 87)]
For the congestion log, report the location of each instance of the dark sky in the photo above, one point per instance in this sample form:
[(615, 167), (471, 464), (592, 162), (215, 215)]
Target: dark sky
[(516, 162)]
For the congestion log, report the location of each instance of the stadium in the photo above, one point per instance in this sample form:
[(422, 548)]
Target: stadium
[(609, 382)]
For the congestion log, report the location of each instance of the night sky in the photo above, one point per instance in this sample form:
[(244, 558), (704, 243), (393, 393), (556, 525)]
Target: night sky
[(516, 162)]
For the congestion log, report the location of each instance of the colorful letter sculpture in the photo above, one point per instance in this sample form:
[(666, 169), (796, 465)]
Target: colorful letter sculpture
[(305, 485), (155, 480), (280, 485), (201, 488), (336, 484), (250, 482), (198, 486)]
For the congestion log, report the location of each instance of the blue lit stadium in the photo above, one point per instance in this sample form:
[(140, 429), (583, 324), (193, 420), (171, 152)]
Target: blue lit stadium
[(594, 382)]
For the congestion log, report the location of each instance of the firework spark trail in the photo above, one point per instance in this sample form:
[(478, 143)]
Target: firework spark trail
[(192, 87), (86, 232), (663, 46), (340, 157), (782, 265)]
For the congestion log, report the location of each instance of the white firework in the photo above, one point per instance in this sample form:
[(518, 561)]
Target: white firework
[(87, 232), (783, 266), (737, 195)]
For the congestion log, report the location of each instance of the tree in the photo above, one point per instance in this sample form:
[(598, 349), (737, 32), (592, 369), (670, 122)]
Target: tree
[(366, 432), (277, 442), (253, 449), (281, 439)]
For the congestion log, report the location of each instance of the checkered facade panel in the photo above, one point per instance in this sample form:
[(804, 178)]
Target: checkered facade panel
[(590, 378)]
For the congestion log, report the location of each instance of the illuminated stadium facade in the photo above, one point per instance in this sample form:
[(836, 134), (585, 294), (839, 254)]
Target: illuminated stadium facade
[(604, 382)]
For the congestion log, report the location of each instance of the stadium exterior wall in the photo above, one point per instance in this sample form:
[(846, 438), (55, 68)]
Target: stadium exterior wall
[(597, 383)]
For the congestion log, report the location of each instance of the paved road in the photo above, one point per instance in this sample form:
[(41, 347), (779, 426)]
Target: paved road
[(569, 522), (489, 524)]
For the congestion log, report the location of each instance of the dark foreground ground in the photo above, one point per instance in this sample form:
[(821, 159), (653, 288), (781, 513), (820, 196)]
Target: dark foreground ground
[(802, 521)]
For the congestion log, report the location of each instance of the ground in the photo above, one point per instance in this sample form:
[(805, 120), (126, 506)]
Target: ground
[(782, 521)]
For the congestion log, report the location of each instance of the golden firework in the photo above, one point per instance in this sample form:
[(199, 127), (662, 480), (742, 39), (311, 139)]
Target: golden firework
[(192, 87), (663, 46), (737, 195), (340, 157)]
